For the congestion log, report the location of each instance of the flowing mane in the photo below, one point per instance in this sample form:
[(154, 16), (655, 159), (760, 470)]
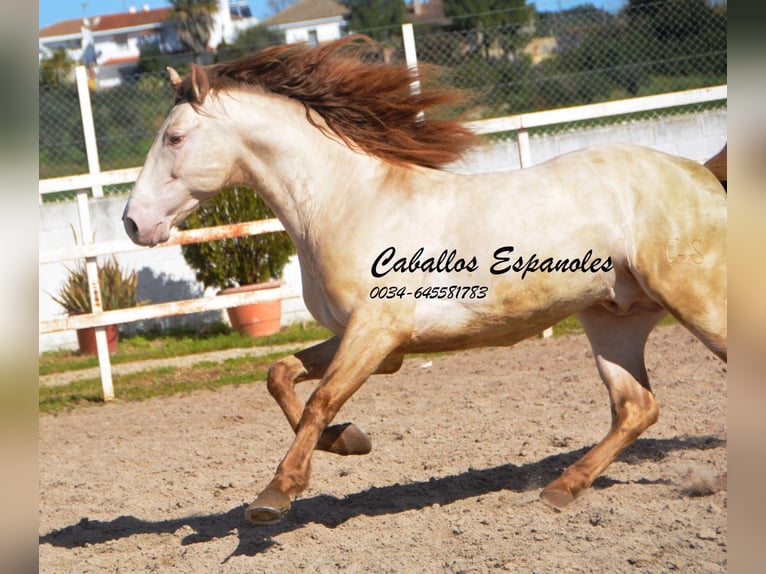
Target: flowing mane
[(366, 102)]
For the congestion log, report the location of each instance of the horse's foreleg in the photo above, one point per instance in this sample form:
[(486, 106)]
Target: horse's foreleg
[(306, 365), (357, 357), (618, 347), (309, 364)]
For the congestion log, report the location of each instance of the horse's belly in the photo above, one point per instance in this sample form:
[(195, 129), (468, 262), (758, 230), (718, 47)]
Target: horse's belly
[(443, 326)]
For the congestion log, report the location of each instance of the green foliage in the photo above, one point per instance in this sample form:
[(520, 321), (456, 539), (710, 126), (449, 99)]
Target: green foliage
[(471, 14), (241, 260), (249, 41), (61, 143), (379, 19), (194, 22), (161, 344), (118, 288), (56, 70), (126, 119), (649, 47), (158, 382), (152, 61), (691, 35)]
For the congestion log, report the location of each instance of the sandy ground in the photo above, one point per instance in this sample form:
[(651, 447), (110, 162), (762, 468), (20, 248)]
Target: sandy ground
[(462, 445)]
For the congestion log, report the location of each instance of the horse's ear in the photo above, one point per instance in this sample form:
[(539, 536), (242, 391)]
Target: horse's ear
[(175, 79), (200, 83)]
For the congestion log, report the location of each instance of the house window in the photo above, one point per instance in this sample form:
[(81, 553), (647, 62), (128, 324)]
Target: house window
[(239, 9), (122, 41), (313, 38)]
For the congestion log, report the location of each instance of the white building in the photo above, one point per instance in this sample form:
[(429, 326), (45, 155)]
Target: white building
[(311, 21), (111, 43)]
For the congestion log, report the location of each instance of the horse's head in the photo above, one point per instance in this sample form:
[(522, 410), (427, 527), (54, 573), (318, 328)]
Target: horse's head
[(190, 161)]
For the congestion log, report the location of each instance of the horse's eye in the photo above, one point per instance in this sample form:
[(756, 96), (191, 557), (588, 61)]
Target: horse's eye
[(174, 139)]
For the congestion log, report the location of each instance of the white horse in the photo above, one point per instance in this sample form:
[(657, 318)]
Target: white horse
[(398, 256)]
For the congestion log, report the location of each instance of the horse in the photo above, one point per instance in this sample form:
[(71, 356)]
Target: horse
[(400, 254)]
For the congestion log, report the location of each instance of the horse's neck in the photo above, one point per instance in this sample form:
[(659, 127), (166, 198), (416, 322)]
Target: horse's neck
[(302, 172)]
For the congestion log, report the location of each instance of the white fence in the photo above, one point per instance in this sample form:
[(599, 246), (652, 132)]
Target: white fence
[(96, 179)]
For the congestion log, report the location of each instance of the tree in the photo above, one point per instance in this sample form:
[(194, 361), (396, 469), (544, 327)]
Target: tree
[(249, 41), (379, 19), (194, 21), (688, 36), (469, 14), (56, 69)]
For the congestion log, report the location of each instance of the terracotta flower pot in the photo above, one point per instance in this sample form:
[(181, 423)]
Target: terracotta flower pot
[(256, 319), (86, 338)]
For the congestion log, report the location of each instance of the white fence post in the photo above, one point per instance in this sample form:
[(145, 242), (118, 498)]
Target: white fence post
[(525, 154), (411, 59), (410, 53), (86, 231), (88, 127)]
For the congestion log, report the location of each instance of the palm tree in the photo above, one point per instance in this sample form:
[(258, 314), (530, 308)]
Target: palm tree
[(56, 69), (194, 21)]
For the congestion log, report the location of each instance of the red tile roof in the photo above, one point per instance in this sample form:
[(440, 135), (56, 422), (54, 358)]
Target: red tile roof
[(306, 11), (107, 22)]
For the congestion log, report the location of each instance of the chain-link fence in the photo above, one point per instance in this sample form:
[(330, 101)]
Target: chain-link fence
[(509, 61)]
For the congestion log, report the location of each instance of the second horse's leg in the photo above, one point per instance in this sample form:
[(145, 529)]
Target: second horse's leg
[(310, 364), (618, 347), (356, 358)]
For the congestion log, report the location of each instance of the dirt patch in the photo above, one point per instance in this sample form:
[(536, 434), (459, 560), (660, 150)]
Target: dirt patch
[(462, 445)]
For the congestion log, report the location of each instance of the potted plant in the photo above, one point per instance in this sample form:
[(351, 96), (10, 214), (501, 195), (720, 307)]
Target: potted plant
[(241, 263), (118, 291)]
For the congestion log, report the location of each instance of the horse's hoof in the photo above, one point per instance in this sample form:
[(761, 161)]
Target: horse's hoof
[(344, 439), (269, 507), (557, 498)]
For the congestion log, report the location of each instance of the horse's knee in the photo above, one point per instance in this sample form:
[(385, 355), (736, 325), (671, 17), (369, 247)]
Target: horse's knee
[(282, 375)]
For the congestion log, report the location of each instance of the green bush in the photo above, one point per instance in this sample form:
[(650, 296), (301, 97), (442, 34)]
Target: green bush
[(241, 260)]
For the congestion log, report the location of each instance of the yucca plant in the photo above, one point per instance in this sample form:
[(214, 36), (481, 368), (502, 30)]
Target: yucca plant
[(118, 288)]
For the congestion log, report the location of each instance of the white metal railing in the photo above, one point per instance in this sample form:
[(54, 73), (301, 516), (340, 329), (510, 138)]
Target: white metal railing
[(96, 179)]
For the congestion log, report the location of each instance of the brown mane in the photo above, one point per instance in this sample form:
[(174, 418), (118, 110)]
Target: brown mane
[(366, 102)]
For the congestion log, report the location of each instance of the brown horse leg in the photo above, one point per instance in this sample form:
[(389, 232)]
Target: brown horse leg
[(618, 347), (357, 357), (309, 364)]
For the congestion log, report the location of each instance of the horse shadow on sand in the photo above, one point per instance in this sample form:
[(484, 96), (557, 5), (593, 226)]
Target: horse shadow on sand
[(331, 511)]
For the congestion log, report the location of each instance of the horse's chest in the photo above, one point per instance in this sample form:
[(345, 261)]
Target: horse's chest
[(320, 303)]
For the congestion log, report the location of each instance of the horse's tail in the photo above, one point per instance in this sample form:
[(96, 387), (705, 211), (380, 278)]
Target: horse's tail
[(717, 164)]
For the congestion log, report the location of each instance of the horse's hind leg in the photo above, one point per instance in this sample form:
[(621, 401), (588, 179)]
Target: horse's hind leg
[(310, 364), (618, 346)]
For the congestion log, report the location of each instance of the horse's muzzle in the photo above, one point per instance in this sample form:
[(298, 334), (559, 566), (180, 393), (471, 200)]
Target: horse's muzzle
[(145, 235)]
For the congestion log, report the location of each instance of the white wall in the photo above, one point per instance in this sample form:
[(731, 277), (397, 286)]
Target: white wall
[(694, 136), (325, 32), (165, 276)]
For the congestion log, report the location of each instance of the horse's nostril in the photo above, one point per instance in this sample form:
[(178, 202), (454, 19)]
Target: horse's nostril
[(130, 227)]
